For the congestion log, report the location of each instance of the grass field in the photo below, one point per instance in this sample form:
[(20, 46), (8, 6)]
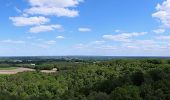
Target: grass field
[(7, 68)]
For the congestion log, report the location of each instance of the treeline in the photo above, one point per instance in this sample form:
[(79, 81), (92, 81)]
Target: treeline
[(25, 60), (119, 79)]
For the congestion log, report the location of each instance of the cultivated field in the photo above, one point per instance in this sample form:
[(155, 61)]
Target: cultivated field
[(14, 70)]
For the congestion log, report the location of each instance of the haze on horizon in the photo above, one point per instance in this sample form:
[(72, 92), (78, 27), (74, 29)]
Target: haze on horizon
[(85, 27)]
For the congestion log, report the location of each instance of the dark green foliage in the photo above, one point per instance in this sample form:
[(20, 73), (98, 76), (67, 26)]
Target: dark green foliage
[(44, 67), (7, 96), (156, 74), (168, 61), (126, 93), (98, 96), (154, 61), (137, 78)]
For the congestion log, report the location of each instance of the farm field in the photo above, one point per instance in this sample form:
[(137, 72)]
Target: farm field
[(13, 70), (9, 68)]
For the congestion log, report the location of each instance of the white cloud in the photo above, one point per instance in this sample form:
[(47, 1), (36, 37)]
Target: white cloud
[(83, 29), (59, 8), (163, 37), (18, 10), (108, 47), (60, 37), (44, 28), (57, 3), (145, 42), (98, 42), (163, 13), (117, 31), (52, 11), (132, 47), (51, 42), (142, 45), (12, 41), (116, 38), (26, 21), (158, 31), (54, 7), (92, 46), (123, 37), (30, 37), (81, 46)]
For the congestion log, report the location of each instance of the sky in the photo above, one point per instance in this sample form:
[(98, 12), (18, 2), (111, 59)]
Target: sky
[(85, 27)]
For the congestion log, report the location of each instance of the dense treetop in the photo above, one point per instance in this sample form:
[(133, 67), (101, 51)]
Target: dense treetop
[(117, 79)]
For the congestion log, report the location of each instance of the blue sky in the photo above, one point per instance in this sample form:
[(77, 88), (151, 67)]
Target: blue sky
[(85, 27)]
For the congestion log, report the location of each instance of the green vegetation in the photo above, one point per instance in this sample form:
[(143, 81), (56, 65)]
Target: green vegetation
[(8, 68), (117, 79)]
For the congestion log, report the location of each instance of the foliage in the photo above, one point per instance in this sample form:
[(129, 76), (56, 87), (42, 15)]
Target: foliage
[(117, 79)]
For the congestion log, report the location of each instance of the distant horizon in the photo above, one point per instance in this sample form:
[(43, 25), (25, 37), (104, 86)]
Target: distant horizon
[(88, 56)]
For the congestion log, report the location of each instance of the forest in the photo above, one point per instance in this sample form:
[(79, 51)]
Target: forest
[(88, 79)]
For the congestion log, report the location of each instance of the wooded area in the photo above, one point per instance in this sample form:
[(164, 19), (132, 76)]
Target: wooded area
[(116, 79)]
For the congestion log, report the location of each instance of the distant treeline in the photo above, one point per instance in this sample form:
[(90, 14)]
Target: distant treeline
[(42, 64)]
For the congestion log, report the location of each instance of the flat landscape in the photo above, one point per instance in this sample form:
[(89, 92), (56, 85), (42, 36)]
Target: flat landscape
[(85, 78), (85, 50)]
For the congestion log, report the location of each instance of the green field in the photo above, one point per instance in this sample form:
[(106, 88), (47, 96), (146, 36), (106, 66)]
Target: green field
[(7, 68)]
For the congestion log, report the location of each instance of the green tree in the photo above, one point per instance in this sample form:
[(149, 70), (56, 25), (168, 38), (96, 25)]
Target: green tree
[(126, 93)]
